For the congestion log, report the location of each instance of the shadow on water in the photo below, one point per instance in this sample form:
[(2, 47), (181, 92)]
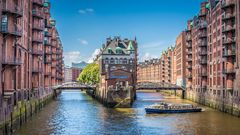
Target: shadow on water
[(76, 113)]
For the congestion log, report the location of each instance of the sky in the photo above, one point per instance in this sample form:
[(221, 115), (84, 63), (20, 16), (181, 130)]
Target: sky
[(84, 25)]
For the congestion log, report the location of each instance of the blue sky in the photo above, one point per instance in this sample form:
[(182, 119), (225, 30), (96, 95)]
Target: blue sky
[(84, 25)]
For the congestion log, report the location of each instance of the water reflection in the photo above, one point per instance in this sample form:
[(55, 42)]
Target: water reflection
[(75, 113)]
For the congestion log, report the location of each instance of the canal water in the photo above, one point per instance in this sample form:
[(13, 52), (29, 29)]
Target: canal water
[(76, 113)]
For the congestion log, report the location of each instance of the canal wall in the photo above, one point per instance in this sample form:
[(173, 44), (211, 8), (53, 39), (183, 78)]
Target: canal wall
[(21, 113), (228, 104), (112, 98)]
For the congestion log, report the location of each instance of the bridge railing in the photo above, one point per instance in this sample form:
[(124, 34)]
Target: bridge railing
[(160, 85)]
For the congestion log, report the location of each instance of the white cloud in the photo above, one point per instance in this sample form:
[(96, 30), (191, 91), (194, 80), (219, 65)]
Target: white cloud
[(147, 56), (94, 54), (90, 10), (70, 57), (82, 11), (85, 11), (83, 42)]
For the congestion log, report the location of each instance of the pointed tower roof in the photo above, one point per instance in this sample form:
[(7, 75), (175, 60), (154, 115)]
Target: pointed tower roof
[(130, 46)]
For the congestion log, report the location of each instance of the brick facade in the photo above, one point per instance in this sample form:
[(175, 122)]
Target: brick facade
[(210, 61), (24, 64)]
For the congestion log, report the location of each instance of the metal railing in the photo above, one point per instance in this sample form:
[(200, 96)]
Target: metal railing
[(39, 2), (10, 60), (12, 30), (12, 8), (38, 13)]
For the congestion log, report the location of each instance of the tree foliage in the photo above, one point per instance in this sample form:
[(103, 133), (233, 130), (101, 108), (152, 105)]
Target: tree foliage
[(90, 74)]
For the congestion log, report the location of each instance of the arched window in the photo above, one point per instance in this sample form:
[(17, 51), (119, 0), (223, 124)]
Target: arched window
[(116, 61), (112, 61), (125, 61), (109, 50), (131, 61), (118, 50), (121, 61), (106, 61)]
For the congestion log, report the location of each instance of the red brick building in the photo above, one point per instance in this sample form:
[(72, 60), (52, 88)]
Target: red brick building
[(158, 70), (75, 73), (206, 56), (31, 52), (118, 66), (213, 35), (180, 60)]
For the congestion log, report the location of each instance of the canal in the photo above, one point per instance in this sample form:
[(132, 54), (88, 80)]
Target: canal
[(76, 113)]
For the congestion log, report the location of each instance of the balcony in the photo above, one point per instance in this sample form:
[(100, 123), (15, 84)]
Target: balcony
[(227, 4), (229, 71), (203, 25), (202, 14), (204, 87), (202, 35), (203, 53), (203, 74), (228, 16), (189, 59), (47, 34), (189, 67), (13, 31), (37, 39), (38, 2), (189, 52), (10, 61), (189, 45), (229, 41), (229, 28), (47, 43), (38, 27), (38, 14), (47, 73), (188, 31), (37, 52), (48, 25), (48, 53), (12, 9), (229, 53), (189, 38), (189, 76), (203, 62), (37, 70), (203, 44), (54, 65)]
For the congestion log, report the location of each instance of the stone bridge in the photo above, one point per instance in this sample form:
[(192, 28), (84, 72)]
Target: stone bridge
[(74, 85)]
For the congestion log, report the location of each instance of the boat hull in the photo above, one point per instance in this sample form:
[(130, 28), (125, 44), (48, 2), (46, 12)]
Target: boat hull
[(150, 110)]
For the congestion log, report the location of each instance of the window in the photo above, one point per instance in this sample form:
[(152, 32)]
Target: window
[(106, 61), (112, 61), (131, 61), (116, 61), (109, 50), (4, 23), (121, 61), (125, 61)]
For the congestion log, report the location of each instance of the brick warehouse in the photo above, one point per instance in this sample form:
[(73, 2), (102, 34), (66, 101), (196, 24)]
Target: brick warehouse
[(210, 61), (118, 62), (31, 53)]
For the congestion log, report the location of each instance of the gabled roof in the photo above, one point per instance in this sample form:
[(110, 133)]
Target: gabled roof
[(117, 44), (130, 46)]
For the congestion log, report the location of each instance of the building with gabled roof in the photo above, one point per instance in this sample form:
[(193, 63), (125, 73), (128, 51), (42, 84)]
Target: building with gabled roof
[(118, 63)]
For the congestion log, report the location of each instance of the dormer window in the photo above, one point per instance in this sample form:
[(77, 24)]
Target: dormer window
[(110, 51), (119, 50)]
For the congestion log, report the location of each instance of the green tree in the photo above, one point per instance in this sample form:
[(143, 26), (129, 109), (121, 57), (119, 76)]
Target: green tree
[(90, 74)]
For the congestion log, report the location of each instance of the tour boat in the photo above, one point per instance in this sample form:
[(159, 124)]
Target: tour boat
[(172, 108)]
